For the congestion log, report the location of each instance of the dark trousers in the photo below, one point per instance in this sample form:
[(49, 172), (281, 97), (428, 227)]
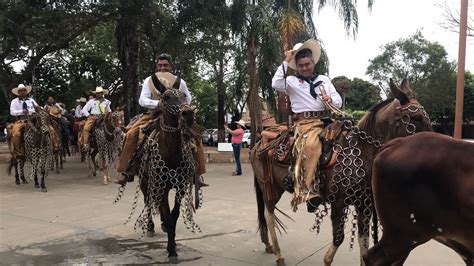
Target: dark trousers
[(236, 148)]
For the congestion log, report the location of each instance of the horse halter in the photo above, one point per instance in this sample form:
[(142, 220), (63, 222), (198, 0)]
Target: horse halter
[(404, 115), (175, 110)]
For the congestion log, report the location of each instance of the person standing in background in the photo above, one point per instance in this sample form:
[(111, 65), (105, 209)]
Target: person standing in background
[(237, 136)]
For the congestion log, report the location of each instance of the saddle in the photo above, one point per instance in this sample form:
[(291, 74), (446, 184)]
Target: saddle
[(276, 144), (329, 136)]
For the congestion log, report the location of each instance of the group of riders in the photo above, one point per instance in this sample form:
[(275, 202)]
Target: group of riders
[(309, 95)]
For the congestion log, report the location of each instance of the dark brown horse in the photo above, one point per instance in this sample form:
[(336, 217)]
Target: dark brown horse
[(166, 162), (105, 142), (348, 182), (423, 189)]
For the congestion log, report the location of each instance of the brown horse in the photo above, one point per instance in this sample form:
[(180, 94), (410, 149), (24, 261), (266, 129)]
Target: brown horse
[(423, 189), (38, 149), (166, 162), (348, 182), (105, 141)]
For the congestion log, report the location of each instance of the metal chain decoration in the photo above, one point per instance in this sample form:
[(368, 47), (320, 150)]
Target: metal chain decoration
[(108, 144), (154, 171), (349, 176), (38, 156)]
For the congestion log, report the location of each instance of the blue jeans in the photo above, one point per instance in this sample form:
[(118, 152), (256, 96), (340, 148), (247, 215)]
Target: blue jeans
[(236, 148)]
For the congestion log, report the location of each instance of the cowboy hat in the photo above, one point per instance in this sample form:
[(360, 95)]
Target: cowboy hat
[(99, 90), (81, 100), (310, 44), (166, 78), (21, 87), (241, 123), (54, 111)]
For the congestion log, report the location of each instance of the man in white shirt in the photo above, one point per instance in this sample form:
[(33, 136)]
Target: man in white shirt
[(20, 108), (97, 106), (150, 98), (308, 93), (78, 111)]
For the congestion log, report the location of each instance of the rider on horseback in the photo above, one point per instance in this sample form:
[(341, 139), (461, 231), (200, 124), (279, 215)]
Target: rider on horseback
[(57, 111), (150, 98), (308, 103), (93, 107), (21, 108)]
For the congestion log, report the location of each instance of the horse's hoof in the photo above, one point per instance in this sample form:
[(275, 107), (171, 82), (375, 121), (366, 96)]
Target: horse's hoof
[(109, 179), (105, 181), (163, 227), (44, 190), (24, 182), (57, 172), (269, 250), (173, 260), (280, 262), (150, 233), (37, 186), (17, 182)]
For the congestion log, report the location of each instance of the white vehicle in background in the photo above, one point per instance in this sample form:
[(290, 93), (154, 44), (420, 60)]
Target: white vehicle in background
[(246, 140)]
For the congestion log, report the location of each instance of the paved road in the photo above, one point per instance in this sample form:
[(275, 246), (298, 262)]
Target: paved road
[(75, 222)]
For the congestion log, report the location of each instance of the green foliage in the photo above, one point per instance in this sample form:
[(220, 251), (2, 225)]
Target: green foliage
[(425, 65), (357, 94), (205, 101), (468, 113)]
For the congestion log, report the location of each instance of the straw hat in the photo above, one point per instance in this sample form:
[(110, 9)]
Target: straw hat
[(99, 90), (310, 44), (81, 100), (166, 78), (241, 123), (21, 87)]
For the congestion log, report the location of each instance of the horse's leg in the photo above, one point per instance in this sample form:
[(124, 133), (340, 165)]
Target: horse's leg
[(164, 211), (363, 225), (94, 163), (43, 176), (270, 218), (22, 171), (58, 158), (106, 175), (338, 217), (169, 219), (262, 222), (15, 165)]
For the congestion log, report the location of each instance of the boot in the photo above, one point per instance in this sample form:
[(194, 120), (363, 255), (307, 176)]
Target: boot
[(122, 179), (199, 182), (313, 203)]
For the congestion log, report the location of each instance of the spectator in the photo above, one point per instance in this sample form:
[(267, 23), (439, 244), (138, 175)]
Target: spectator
[(236, 140)]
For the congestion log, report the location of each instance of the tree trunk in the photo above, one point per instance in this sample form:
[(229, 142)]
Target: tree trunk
[(128, 44), (220, 99), (254, 103)]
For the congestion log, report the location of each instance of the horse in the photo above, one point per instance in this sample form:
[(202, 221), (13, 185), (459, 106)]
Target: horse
[(105, 141), (38, 149), (346, 181), (423, 189), (165, 162)]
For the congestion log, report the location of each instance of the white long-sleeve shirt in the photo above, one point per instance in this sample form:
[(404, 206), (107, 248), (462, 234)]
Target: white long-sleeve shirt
[(78, 112), (92, 107), (148, 100), (16, 106), (299, 91)]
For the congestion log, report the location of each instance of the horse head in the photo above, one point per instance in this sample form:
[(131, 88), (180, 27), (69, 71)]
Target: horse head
[(400, 116), (176, 110), (40, 121)]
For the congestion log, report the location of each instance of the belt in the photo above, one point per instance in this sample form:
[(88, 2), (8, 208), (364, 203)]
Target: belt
[(21, 117), (311, 114)]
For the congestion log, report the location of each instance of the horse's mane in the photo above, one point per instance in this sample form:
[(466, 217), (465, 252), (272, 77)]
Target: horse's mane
[(367, 122)]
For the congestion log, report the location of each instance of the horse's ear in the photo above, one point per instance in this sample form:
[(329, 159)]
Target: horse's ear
[(398, 93), (406, 89)]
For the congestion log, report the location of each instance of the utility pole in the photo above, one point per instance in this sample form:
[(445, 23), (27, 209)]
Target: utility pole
[(461, 66)]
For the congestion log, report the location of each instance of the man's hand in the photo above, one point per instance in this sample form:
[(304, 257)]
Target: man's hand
[(289, 55), (326, 98)]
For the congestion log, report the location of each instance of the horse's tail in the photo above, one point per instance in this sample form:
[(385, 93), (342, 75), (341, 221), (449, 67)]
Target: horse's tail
[(10, 165), (375, 225), (262, 222)]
